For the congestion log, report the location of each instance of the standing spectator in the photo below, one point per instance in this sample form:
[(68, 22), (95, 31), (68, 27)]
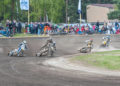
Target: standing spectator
[(97, 26), (7, 28), (83, 29), (105, 26), (49, 30), (19, 27), (117, 32), (77, 30), (35, 28), (42, 28), (109, 27), (102, 30), (112, 28), (11, 28), (26, 27), (94, 27), (39, 28), (45, 29), (116, 25), (31, 28), (87, 29), (14, 26)]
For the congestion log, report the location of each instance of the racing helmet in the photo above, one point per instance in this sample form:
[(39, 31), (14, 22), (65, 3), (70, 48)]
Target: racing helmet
[(50, 39), (103, 38), (24, 42), (91, 40)]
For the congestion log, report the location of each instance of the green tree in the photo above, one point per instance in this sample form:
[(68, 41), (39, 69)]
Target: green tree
[(115, 14), (54, 9)]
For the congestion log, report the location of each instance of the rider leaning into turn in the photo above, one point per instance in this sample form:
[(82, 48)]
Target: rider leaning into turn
[(107, 40), (22, 46), (89, 42), (49, 41)]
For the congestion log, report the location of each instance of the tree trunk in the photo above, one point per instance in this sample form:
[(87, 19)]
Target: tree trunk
[(66, 11), (12, 10)]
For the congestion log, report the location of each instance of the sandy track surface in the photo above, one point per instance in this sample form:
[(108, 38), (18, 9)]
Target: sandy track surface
[(30, 71), (65, 63)]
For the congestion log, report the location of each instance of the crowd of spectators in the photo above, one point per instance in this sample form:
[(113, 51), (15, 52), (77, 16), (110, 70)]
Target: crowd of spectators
[(48, 28), (13, 27), (40, 28), (97, 28)]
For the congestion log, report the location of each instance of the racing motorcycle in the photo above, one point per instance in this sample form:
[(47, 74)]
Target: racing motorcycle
[(105, 43), (47, 50), (88, 48), (19, 51)]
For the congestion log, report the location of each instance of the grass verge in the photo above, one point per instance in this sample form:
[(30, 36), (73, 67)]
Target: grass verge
[(108, 59)]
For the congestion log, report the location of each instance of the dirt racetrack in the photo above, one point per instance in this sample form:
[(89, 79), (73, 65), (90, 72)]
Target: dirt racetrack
[(65, 44), (23, 71)]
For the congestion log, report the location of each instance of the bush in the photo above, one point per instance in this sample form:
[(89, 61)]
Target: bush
[(114, 15)]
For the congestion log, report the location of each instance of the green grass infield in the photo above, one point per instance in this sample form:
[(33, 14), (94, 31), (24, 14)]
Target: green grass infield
[(108, 59)]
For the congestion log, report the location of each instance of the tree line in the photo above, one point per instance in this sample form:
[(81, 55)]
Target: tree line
[(53, 10), (116, 13), (40, 10)]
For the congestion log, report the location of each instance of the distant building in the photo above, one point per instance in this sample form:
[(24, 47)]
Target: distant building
[(99, 12)]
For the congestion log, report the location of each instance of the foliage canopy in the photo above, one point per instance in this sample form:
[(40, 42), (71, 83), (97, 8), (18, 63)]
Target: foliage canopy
[(53, 10), (39, 9)]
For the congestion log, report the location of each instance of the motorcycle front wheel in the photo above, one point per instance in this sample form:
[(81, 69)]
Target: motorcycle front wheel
[(83, 50), (10, 54), (21, 54), (102, 46)]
